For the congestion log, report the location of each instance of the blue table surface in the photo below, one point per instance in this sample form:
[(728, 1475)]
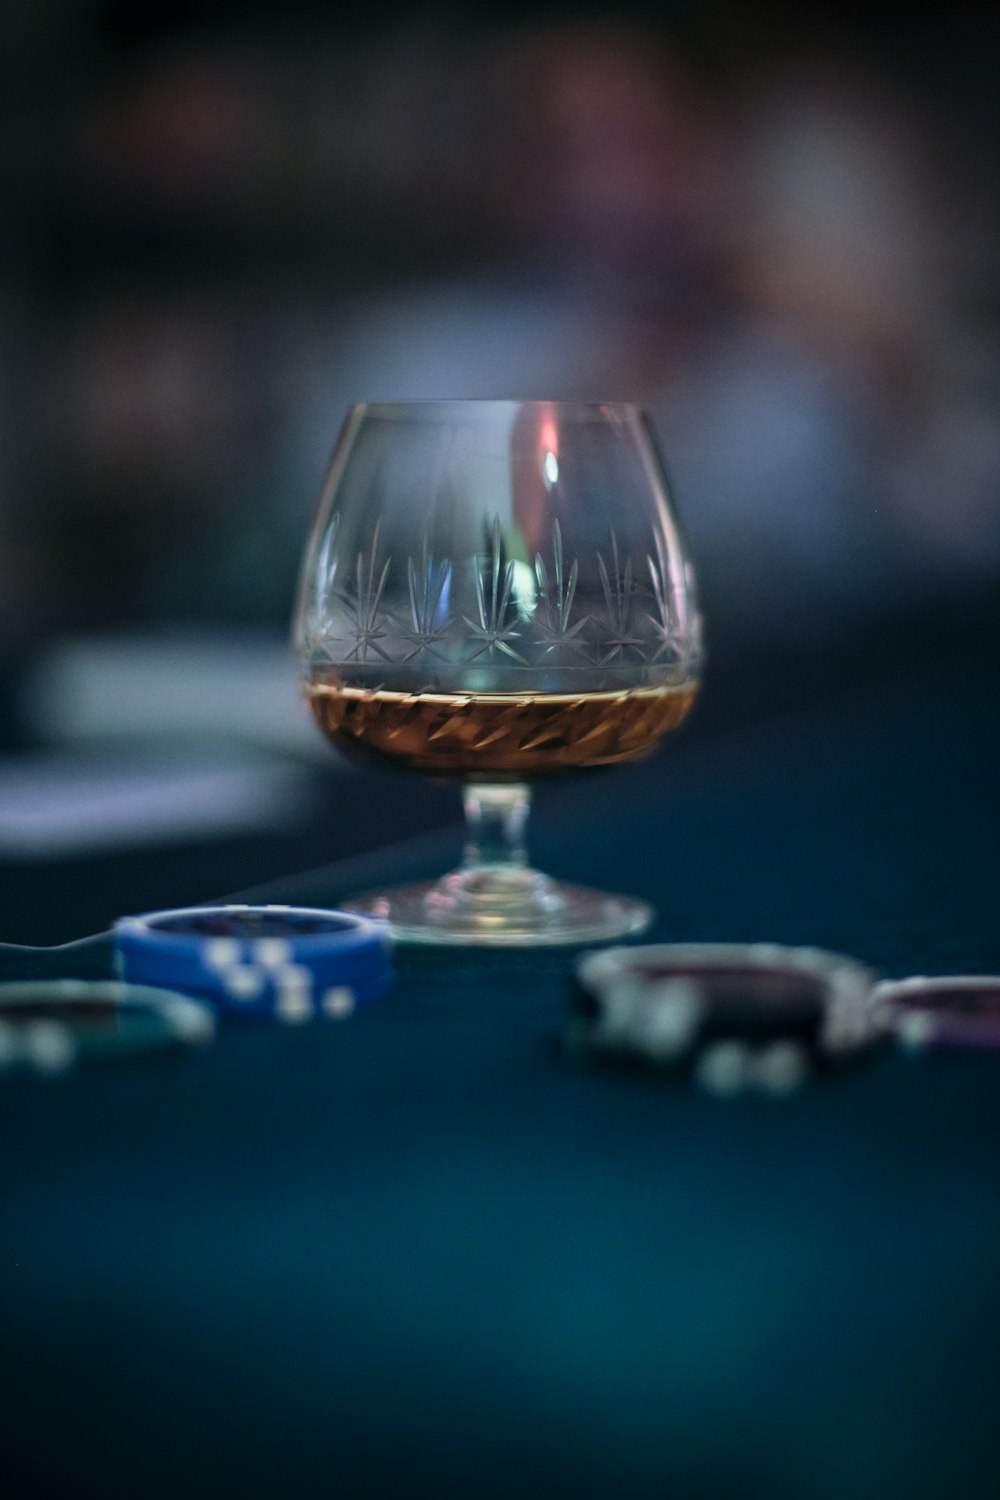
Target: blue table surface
[(428, 1250)]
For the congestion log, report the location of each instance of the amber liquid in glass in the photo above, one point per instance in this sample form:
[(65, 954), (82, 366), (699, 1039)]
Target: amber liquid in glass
[(498, 736)]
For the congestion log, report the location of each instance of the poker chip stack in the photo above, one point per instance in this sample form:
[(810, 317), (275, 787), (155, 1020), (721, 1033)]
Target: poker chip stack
[(734, 1017), (49, 1026), (290, 963), (952, 1011)]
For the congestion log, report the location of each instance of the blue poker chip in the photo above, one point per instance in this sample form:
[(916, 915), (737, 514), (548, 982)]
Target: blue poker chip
[(291, 962)]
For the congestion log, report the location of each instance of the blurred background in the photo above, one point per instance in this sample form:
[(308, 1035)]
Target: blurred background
[(226, 222)]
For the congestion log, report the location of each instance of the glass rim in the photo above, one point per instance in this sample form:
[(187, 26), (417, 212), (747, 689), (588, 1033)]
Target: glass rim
[(440, 407)]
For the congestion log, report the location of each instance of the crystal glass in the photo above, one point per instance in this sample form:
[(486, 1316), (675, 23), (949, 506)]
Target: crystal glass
[(497, 592)]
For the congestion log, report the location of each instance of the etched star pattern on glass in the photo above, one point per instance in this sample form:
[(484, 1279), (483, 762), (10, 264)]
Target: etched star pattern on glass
[(497, 592)]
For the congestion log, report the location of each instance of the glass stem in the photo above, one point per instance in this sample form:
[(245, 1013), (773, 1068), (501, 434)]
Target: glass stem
[(495, 817)]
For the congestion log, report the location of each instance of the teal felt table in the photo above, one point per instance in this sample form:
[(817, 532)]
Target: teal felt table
[(428, 1250)]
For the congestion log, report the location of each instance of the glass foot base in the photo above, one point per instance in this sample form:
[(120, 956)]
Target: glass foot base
[(500, 907)]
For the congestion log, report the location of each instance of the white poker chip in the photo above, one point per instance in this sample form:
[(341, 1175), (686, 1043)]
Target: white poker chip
[(736, 1016)]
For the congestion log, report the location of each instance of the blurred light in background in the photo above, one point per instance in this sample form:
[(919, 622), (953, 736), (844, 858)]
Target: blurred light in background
[(227, 222)]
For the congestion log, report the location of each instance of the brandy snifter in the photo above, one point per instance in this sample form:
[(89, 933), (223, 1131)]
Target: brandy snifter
[(497, 592)]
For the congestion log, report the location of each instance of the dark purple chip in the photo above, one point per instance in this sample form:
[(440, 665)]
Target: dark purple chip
[(951, 1011)]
